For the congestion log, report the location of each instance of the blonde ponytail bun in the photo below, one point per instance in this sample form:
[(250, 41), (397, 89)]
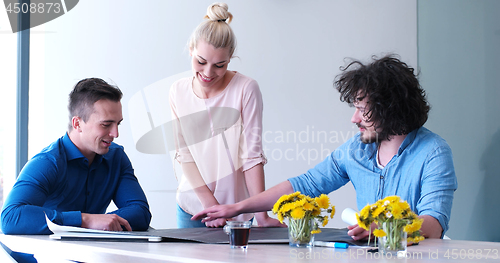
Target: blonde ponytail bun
[(218, 12), (215, 30)]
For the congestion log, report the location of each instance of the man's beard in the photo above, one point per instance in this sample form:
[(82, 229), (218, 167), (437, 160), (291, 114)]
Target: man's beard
[(369, 139)]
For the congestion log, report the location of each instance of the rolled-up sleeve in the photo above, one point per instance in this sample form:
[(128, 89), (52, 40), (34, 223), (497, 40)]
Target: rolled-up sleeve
[(182, 153), (438, 186), (251, 115)]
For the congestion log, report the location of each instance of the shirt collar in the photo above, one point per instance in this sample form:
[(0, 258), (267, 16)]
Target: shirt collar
[(407, 141), (372, 148), (73, 152)]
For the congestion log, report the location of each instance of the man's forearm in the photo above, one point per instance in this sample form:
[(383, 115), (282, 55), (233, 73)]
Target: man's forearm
[(431, 228)]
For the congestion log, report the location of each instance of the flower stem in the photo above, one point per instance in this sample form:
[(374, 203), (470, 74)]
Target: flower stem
[(300, 230)]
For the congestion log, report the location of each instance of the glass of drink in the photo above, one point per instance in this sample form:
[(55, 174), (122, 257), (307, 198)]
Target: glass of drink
[(238, 232)]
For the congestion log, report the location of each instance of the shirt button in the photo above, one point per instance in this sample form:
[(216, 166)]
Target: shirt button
[(381, 177)]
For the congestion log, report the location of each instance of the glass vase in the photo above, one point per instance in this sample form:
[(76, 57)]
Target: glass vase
[(394, 242), (299, 232)]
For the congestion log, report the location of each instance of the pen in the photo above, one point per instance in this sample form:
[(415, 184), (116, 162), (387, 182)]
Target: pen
[(330, 244), (376, 249)]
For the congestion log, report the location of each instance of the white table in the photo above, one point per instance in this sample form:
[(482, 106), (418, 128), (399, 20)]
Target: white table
[(430, 250)]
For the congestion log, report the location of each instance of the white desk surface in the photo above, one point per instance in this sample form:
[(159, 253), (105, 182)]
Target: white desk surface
[(430, 250)]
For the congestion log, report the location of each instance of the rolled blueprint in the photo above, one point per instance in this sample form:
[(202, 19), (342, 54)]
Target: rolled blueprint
[(349, 216)]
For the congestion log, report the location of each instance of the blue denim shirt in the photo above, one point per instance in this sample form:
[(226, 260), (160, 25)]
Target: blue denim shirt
[(59, 182), (421, 173)]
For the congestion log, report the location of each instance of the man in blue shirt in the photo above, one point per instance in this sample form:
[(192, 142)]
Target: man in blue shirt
[(393, 154), (74, 179)]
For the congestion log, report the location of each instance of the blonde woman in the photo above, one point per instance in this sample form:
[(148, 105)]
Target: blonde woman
[(219, 127)]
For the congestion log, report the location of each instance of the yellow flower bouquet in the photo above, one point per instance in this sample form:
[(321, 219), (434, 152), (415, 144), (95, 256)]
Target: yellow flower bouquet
[(304, 216), (396, 223)]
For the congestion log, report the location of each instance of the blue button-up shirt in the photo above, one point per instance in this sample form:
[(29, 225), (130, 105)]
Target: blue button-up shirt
[(60, 183), (421, 173)]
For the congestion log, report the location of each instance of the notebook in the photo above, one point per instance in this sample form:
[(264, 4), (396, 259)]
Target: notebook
[(71, 232)]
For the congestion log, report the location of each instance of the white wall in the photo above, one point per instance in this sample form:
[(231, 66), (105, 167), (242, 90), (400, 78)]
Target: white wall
[(8, 67), (292, 48)]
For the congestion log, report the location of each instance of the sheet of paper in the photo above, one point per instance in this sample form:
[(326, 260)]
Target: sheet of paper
[(55, 228), (80, 232)]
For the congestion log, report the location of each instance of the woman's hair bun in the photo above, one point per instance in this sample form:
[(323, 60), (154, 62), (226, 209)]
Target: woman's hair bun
[(215, 29), (219, 12)]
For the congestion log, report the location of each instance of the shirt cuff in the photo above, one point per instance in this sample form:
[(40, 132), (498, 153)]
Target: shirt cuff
[(251, 162), (295, 182), (184, 158)]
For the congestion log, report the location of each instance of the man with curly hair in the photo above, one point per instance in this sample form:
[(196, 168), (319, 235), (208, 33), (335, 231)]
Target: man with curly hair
[(393, 154)]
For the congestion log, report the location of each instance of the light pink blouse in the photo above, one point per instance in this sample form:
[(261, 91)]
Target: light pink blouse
[(222, 135)]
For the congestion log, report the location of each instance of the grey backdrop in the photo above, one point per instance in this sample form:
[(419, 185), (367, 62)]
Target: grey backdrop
[(459, 57)]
